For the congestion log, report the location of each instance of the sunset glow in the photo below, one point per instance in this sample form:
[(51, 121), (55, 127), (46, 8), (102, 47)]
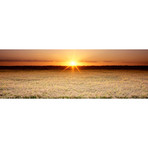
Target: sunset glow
[(73, 63), (73, 57)]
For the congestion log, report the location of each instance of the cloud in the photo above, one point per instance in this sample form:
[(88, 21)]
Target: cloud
[(13, 60), (89, 61), (107, 61), (135, 62)]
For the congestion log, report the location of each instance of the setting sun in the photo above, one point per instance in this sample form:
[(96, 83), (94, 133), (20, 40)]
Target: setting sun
[(73, 63)]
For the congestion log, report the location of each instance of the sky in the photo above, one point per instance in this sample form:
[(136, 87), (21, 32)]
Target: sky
[(81, 57)]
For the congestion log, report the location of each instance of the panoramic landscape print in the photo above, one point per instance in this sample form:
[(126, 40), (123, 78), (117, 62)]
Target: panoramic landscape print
[(73, 74)]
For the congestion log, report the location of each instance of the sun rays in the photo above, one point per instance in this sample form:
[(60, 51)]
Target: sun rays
[(73, 65)]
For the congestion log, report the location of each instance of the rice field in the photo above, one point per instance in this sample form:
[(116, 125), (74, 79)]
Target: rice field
[(68, 84)]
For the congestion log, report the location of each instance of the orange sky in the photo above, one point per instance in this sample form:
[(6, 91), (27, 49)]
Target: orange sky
[(82, 57)]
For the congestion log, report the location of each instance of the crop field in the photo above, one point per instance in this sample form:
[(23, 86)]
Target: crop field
[(68, 84)]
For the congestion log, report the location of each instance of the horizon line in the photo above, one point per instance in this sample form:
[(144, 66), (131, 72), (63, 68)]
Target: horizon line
[(65, 65)]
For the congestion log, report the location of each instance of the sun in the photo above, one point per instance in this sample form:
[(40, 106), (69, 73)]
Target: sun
[(73, 63)]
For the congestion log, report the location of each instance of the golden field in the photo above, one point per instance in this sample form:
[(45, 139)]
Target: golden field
[(68, 84)]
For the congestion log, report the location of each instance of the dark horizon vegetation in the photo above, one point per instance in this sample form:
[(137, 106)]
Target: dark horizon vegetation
[(52, 67)]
